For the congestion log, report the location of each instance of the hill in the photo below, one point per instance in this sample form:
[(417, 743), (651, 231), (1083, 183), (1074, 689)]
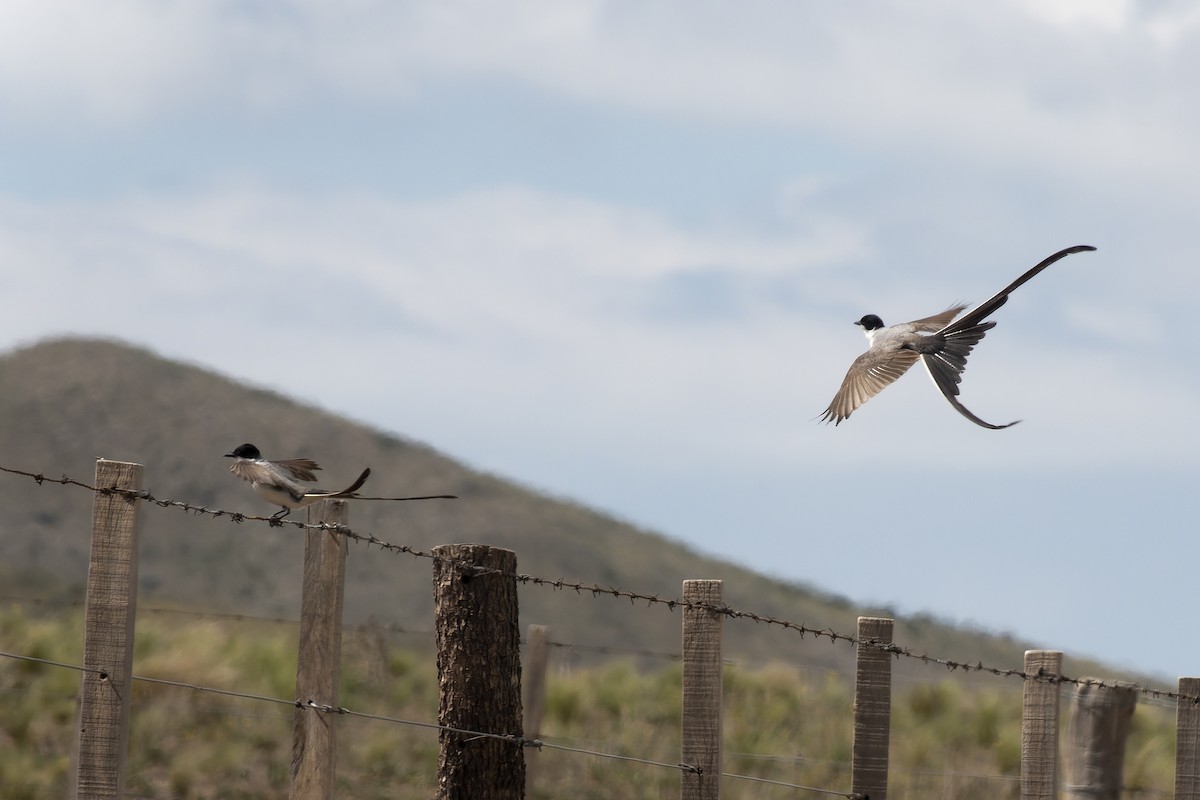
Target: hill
[(66, 401)]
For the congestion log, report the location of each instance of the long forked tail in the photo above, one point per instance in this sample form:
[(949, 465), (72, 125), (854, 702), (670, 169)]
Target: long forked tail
[(946, 364), (350, 490), (422, 497), (989, 306)]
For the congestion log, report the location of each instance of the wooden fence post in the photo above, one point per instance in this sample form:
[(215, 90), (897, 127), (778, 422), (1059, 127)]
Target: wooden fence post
[(1039, 726), (314, 754), (108, 634), (872, 709), (1096, 731), (537, 653), (1187, 741), (701, 746), (479, 672)]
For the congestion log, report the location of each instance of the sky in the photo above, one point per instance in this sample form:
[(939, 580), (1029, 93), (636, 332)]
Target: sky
[(613, 250)]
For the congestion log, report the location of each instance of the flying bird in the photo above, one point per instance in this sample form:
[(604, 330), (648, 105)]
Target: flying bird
[(278, 481), (941, 342)]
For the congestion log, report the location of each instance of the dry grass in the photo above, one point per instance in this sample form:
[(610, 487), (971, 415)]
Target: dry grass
[(950, 739)]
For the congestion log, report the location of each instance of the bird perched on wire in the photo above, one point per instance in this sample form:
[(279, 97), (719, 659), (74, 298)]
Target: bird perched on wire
[(278, 481), (941, 342)]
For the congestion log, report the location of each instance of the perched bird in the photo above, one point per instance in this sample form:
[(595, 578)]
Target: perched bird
[(941, 342), (277, 481)]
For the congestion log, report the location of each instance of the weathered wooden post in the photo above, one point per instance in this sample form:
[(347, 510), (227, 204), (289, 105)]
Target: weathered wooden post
[(1187, 741), (1096, 731), (872, 708), (701, 746), (479, 672), (108, 633), (314, 752), (537, 653), (1039, 725)]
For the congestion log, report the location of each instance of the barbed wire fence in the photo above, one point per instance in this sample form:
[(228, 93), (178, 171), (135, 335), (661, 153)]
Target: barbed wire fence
[(598, 590), (872, 641)]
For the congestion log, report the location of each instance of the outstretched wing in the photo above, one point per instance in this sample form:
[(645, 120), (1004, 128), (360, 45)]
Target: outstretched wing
[(870, 374), (937, 321), (246, 470), (299, 468), (262, 474)]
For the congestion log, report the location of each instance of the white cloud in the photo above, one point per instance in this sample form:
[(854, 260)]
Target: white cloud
[(546, 306), (1084, 88), (84, 64), (1109, 15)]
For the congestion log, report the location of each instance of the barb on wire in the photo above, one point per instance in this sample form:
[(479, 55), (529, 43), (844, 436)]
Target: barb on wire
[(1040, 676), (596, 590)]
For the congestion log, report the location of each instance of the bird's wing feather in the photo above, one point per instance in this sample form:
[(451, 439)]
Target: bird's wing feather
[(937, 321), (246, 470), (264, 475), (299, 468), (870, 374)]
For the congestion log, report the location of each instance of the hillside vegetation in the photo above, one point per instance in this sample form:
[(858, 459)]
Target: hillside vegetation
[(949, 739)]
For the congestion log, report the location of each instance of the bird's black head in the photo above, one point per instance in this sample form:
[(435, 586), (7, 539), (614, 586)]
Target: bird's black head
[(870, 323), (245, 451)]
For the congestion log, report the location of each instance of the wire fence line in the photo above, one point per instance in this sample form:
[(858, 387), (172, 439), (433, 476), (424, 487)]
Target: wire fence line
[(634, 597), (515, 739), (365, 627), (541, 742), (545, 742)]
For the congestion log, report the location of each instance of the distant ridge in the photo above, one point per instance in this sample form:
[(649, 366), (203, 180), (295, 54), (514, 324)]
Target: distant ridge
[(63, 402)]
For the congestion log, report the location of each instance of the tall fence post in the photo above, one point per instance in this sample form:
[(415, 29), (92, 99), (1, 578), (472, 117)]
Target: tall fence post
[(1096, 731), (537, 652), (1039, 725), (872, 708), (1187, 741), (479, 672), (314, 752), (108, 634), (701, 746)]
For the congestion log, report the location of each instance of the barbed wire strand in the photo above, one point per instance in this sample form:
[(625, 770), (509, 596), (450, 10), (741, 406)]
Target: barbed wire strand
[(340, 710), (596, 590), (324, 708), (537, 743), (212, 690), (756, 779), (397, 629), (52, 663)]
